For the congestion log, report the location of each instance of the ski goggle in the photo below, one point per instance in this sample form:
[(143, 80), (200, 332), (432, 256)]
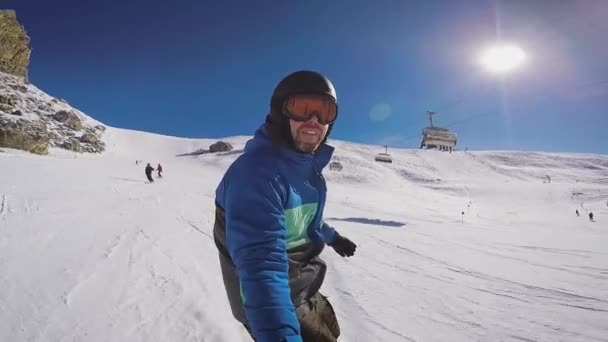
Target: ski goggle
[(304, 107)]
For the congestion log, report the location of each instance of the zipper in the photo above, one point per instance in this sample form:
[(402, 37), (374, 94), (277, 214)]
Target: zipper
[(322, 188)]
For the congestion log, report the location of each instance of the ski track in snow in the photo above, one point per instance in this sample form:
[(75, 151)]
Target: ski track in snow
[(195, 227), (370, 320)]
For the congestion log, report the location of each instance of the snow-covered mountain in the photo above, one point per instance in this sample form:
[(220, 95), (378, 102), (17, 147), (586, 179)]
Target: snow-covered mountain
[(33, 120), (467, 246)]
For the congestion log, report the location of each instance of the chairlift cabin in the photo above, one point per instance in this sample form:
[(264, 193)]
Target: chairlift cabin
[(384, 157), (437, 138), (335, 165)]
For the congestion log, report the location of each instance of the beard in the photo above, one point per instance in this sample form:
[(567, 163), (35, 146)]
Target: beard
[(306, 147), (307, 143)]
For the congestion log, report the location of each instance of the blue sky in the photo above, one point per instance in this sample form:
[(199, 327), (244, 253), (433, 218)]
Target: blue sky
[(207, 68)]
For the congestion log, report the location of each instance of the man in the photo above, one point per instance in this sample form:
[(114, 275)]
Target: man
[(149, 170), (269, 226)]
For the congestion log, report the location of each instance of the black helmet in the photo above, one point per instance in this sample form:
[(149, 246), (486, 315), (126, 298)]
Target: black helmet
[(299, 82)]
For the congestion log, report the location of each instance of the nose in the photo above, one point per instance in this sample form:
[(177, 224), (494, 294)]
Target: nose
[(314, 117)]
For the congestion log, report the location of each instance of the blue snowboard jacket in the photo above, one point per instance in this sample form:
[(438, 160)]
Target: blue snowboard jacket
[(269, 228)]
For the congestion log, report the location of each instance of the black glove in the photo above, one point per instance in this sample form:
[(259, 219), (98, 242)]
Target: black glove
[(343, 246)]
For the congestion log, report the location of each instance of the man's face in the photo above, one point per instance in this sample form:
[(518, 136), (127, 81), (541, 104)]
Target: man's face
[(307, 135)]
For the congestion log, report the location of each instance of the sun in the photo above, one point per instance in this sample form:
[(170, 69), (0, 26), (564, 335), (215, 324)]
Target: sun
[(502, 58)]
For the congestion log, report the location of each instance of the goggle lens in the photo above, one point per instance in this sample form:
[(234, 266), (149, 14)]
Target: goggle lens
[(304, 107)]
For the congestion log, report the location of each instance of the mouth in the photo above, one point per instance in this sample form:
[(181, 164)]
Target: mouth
[(310, 131)]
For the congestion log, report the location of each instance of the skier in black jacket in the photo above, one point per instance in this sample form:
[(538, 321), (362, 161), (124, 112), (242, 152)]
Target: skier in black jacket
[(149, 170)]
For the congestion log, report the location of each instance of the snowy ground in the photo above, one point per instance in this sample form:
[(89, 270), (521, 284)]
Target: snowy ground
[(90, 252)]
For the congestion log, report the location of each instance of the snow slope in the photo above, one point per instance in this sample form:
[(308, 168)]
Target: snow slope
[(90, 252)]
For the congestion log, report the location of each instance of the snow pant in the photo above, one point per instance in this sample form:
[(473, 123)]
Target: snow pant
[(318, 322), (149, 175)]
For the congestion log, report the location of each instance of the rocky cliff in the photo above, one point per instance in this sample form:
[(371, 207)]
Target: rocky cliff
[(14, 45), (30, 119), (33, 121)]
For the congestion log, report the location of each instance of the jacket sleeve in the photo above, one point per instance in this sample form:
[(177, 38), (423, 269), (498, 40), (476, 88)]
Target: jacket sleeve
[(328, 232), (255, 237)]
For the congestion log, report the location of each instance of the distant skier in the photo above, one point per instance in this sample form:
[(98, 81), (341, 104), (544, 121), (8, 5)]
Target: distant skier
[(591, 216), (577, 213), (149, 170), (160, 170)]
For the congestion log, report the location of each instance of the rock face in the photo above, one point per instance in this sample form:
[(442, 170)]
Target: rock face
[(92, 142), (69, 119), (72, 145), (14, 45), (220, 146), (24, 135), (33, 121)]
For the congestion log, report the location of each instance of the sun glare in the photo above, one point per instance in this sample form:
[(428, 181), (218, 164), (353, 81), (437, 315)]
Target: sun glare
[(502, 59)]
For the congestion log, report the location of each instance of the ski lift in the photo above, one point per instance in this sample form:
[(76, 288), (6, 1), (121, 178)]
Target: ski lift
[(384, 157), (335, 165), (434, 137)]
